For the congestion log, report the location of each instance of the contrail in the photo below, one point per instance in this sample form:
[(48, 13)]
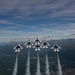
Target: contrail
[(59, 66), (47, 72), (15, 70), (28, 64), (38, 65)]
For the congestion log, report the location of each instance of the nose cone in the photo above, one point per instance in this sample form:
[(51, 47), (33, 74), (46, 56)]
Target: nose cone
[(45, 45), (56, 48), (37, 47), (28, 44), (37, 41), (18, 48)]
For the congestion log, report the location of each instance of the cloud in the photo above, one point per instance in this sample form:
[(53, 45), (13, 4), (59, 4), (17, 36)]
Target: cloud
[(44, 29), (69, 19), (29, 8), (21, 18), (8, 5), (3, 22), (42, 32), (15, 25), (10, 32)]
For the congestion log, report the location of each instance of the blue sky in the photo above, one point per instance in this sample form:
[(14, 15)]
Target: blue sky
[(20, 19)]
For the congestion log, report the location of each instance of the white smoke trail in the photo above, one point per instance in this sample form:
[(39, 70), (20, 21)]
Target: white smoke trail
[(47, 65), (15, 71), (38, 65), (59, 66), (28, 64)]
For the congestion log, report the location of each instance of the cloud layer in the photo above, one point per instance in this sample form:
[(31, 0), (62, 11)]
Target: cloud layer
[(30, 8), (56, 31), (21, 18)]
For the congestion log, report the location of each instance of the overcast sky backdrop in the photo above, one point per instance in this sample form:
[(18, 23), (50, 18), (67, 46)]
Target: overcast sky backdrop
[(30, 18)]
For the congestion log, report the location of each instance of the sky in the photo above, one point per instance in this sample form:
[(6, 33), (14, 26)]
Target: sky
[(23, 19)]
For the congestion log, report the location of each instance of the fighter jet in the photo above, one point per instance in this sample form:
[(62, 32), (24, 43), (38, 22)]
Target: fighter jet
[(56, 48), (18, 48), (45, 45), (28, 44), (37, 41), (37, 47)]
